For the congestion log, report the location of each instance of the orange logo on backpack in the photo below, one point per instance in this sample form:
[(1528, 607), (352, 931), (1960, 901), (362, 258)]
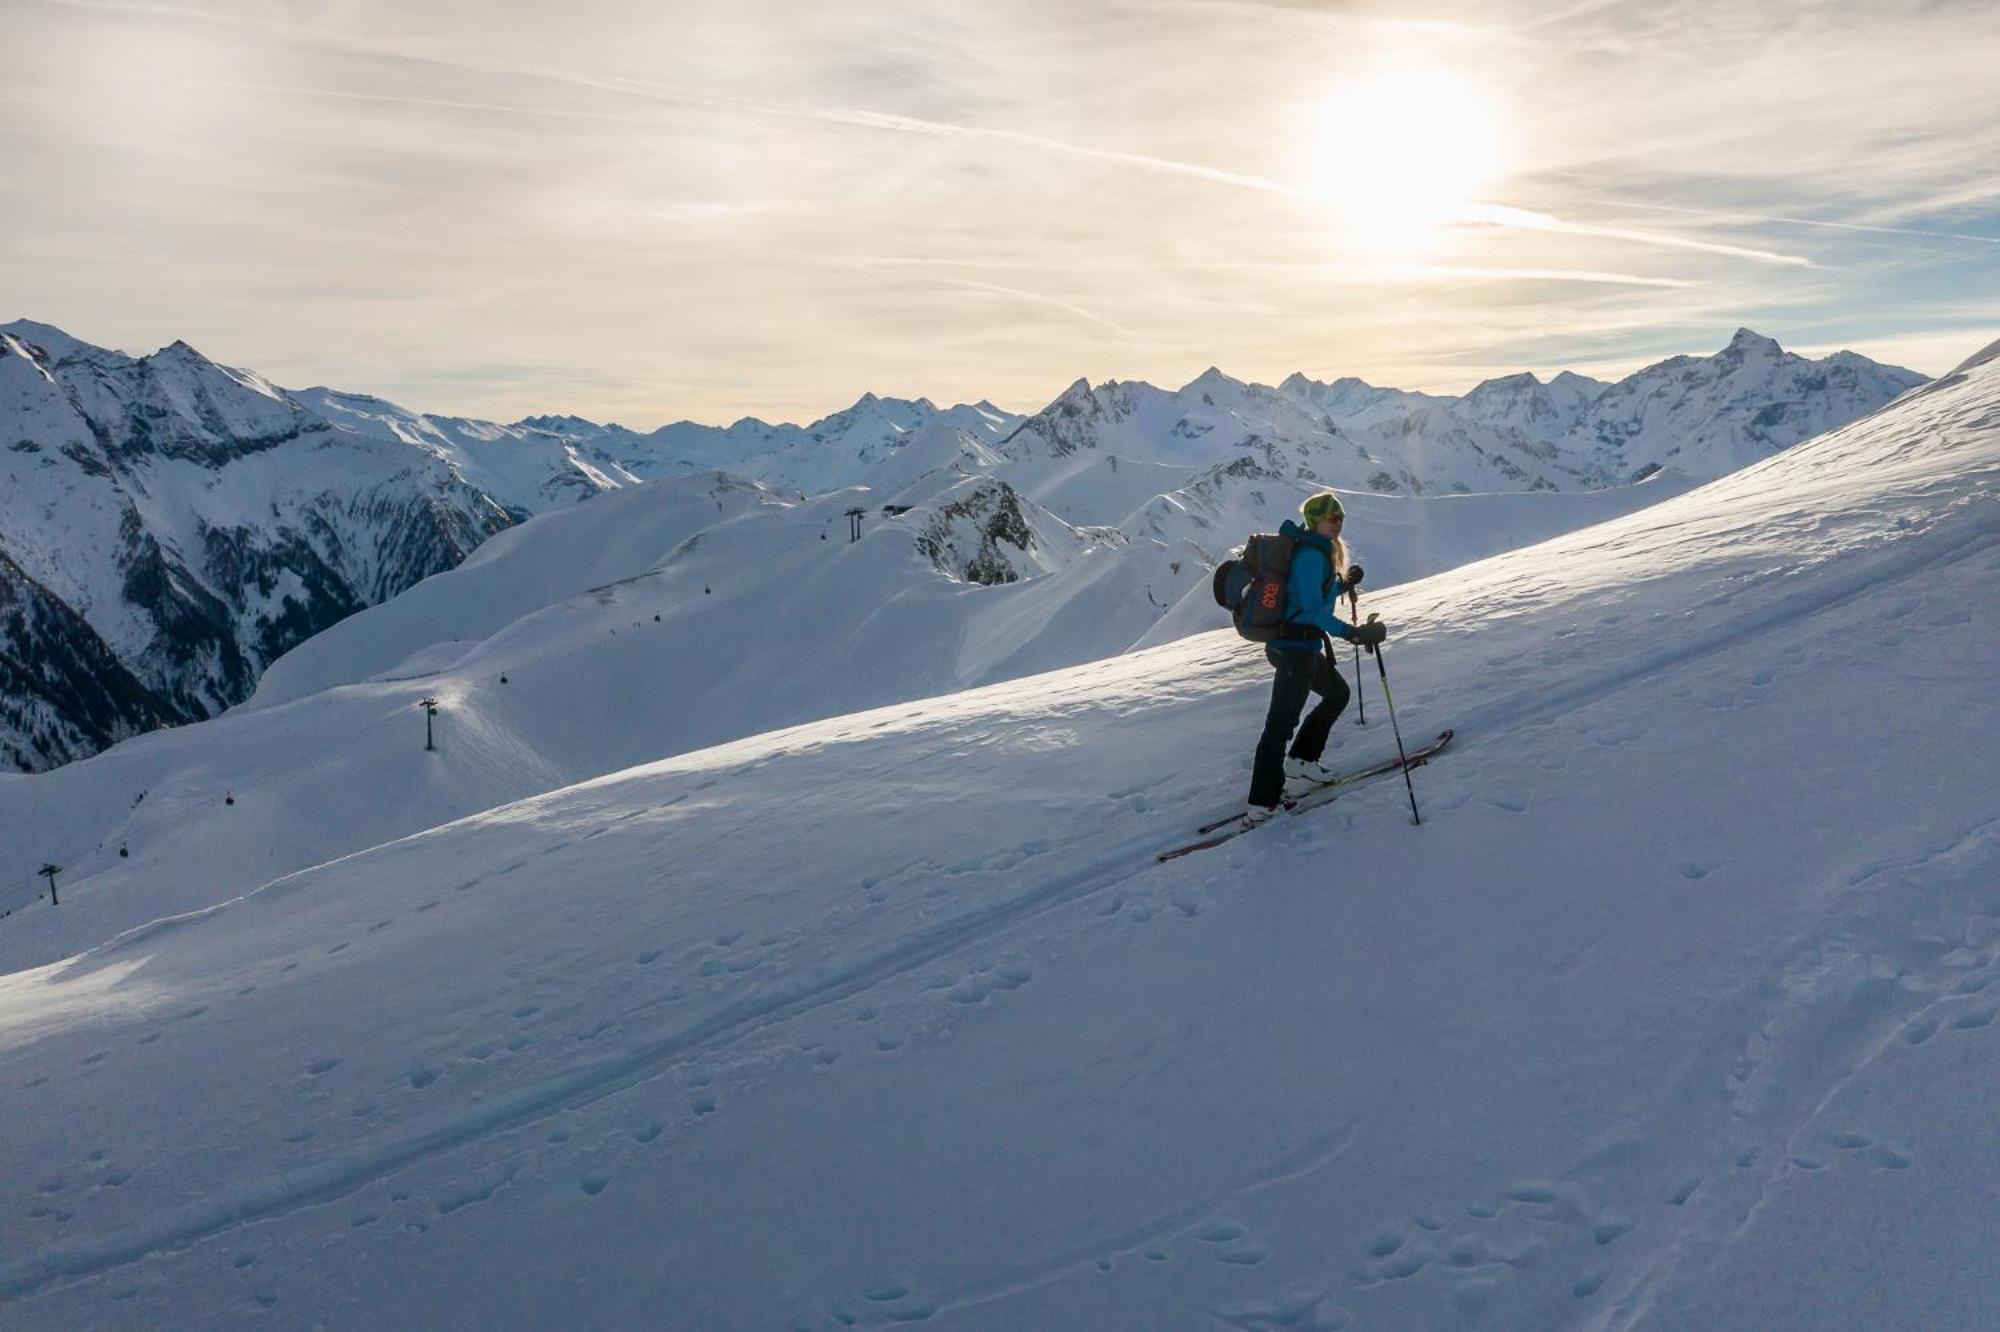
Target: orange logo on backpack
[(1270, 600)]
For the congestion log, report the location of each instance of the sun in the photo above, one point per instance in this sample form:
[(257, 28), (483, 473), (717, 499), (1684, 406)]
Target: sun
[(1396, 155)]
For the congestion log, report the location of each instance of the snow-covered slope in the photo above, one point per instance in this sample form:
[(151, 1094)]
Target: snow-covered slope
[(647, 611), (1675, 1012)]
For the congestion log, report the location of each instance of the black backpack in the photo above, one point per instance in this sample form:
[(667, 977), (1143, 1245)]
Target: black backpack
[(1252, 587)]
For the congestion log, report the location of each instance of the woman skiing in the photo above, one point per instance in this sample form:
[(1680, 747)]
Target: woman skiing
[(1303, 658)]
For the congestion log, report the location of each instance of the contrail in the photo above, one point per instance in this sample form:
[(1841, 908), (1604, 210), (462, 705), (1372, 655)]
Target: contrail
[(1473, 272), (399, 99), (1501, 216), (1806, 222), (1040, 299)]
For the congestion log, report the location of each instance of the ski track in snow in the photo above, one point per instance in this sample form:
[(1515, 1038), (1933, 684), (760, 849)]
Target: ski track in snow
[(336, 1179)]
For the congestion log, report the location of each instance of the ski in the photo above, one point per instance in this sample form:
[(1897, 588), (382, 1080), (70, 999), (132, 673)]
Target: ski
[(1223, 830), (1345, 779)]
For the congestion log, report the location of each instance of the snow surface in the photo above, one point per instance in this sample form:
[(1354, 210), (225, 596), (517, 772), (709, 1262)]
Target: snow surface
[(551, 667), (1677, 1011)]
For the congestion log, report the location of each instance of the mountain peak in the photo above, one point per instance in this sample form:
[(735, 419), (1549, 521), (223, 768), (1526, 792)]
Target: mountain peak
[(1571, 379), (1747, 343), (48, 337), (1209, 380), (1078, 392), (181, 350), (1524, 379)]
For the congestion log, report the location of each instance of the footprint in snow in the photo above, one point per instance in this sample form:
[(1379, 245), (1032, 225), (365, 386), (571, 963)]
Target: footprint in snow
[(1385, 1243), (1888, 1158), (1406, 1262), (1610, 1228)]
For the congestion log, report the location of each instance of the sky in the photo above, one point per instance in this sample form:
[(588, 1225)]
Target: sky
[(646, 211)]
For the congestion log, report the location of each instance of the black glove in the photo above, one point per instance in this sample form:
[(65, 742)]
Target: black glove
[(1370, 634), (1353, 579)]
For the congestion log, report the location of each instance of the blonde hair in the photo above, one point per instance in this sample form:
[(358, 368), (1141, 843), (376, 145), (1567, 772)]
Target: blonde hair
[(1317, 507)]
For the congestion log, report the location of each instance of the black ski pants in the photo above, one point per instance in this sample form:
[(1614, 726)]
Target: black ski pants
[(1299, 674)]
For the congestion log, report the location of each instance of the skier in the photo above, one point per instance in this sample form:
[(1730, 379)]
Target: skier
[(1303, 656)]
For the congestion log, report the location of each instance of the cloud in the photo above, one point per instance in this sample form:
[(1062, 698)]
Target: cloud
[(349, 192)]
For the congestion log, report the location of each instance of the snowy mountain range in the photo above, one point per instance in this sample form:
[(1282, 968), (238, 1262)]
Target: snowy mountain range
[(172, 526), (1672, 1013)]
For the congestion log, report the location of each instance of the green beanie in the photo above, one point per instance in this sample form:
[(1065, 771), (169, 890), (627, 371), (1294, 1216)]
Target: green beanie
[(1320, 505)]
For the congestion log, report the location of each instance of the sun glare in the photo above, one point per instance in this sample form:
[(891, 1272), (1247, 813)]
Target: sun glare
[(1396, 155)]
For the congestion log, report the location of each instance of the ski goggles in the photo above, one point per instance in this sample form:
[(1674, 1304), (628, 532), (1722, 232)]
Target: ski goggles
[(1321, 505)]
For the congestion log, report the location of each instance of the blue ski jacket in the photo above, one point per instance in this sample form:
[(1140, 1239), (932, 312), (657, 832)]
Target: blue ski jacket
[(1311, 555)]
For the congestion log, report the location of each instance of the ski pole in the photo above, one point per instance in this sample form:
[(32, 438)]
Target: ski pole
[(1360, 700), (1408, 785)]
